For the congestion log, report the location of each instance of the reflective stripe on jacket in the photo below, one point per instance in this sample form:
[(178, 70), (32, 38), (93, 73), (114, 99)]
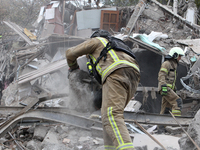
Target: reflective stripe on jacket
[(116, 60), (167, 74), (93, 47)]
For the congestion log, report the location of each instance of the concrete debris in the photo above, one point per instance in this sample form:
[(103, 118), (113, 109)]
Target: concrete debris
[(66, 141), (174, 130), (151, 130), (33, 145), (167, 140), (193, 131), (34, 75), (133, 106), (40, 132)]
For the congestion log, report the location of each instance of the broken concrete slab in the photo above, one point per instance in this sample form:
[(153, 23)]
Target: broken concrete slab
[(42, 71), (133, 106), (40, 133), (144, 19), (24, 91), (51, 136), (9, 94), (194, 132), (141, 140), (192, 43), (33, 145), (52, 146)]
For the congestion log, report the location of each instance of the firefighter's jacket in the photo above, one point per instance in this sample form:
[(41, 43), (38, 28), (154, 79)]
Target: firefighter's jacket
[(93, 47), (167, 74)]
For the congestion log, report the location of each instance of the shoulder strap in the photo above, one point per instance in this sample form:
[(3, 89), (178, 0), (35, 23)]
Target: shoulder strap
[(119, 45)]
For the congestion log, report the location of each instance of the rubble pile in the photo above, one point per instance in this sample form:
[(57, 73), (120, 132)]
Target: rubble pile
[(44, 106), (193, 131)]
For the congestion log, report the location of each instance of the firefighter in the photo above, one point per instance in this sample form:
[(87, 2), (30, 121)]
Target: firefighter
[(119, 75), (166, 83)]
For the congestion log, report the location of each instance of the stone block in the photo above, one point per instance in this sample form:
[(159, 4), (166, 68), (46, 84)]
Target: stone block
[(40, 132)]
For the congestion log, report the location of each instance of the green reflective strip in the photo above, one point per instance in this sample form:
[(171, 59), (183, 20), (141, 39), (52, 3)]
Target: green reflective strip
[(164, 69), (113, 55), (114, 126), (117, 63), (171, 86), (174, 80), (0, 36), (115, 58), (103, 41), (107, 147), (125, 146), (164, 89), (176, 112), (99, 69), (93, 58), (111, 52)]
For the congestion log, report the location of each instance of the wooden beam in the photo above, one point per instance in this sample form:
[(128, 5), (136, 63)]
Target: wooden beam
[(185, 131), (134, 17)]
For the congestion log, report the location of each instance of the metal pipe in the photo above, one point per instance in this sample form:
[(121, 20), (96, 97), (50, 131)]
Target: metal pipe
[(15, 141)]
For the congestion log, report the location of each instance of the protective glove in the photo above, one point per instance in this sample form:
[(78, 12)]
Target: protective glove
[(164, 90)]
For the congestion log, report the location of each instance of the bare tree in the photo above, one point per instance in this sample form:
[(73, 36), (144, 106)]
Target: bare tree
[(3, 9), (22, 12), (25, 12)]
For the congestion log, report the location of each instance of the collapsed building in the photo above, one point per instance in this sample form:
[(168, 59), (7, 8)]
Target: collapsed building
[(34, 70)]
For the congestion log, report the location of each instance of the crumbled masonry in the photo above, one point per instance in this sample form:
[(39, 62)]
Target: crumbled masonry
[(43, 106)]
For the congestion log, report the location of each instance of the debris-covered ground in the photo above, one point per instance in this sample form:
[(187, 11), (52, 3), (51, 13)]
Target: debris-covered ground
[(45, 107)]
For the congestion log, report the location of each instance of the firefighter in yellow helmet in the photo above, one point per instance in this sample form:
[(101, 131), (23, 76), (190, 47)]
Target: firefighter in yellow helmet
[(119, 74), (167, 80)]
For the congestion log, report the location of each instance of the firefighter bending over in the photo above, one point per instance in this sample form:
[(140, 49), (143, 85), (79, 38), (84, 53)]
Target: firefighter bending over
[(114, 66), (166, 83)]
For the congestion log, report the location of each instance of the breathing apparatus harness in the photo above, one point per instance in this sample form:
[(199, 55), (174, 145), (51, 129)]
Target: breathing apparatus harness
[(113, 43)]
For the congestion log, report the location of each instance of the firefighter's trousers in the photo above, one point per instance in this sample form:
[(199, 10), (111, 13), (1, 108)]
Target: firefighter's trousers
[(118, 90), (171, 102)]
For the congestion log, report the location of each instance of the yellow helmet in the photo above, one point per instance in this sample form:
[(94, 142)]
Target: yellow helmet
[(175, 52)]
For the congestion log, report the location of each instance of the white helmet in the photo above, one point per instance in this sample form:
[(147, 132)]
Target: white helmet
[(175, 52)]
